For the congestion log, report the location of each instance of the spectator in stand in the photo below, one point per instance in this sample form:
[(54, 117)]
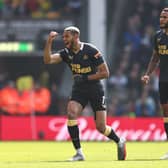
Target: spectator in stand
[(115, 109), (153, 8), (43, 7), (59, 8), (54, 110), (139, 36), (18, 8), (45, 79), (13, 8), (118, 80), (74, 7), (153, 90), (6, 8), (145, 106), (1, 6), (9, 98), (118, 83), (130, 108), (31, 6), (24, 82), (134, 86), (42, 99), (132, 35), (146, 44), (3, 78)]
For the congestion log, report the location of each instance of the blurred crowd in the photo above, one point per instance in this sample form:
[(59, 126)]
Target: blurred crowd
[(23, 96), (128, 96), (50, 9), (26, 95)]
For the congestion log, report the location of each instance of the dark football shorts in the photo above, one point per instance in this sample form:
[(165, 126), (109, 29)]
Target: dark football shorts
[(92, 93), (163, 92)]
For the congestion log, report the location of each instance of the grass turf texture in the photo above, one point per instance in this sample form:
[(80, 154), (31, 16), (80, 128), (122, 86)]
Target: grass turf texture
[(98, 155)]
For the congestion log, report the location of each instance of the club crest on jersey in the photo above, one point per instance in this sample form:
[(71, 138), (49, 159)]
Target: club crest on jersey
[(158, 40), (85, 57), (70, 57)]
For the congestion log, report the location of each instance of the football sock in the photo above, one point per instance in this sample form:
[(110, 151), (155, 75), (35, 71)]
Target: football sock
[(166, 126), (74, 133), (111, 134), (79, 151)]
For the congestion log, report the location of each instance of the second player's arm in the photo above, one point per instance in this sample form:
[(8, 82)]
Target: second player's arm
[(102, 72), (50, 58), (153, 63), (151, 67)]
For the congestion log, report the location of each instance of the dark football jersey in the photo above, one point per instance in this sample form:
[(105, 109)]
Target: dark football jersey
[(83, 62), (161, 46)]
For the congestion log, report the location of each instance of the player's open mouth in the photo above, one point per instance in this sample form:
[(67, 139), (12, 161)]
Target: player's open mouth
[(67, 44)]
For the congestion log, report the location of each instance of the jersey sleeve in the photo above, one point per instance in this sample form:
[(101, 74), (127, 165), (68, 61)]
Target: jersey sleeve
[(64, 55), (96, 56), (156, 39)]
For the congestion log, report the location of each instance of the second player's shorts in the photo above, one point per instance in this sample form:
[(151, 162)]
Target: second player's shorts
[(163, 92), (92, 93)]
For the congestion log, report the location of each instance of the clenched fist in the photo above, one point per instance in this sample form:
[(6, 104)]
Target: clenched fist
[(52, 35), (145, 79)]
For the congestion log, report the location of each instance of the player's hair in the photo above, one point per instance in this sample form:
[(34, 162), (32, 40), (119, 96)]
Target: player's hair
[(73, 30), (165, 10)]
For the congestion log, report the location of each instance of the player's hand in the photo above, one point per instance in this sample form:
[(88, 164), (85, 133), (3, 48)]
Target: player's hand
[(52, 35), (80, 78), (145, 79)]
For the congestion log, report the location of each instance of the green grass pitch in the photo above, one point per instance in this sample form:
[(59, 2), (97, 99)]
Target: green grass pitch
[(98, 155)]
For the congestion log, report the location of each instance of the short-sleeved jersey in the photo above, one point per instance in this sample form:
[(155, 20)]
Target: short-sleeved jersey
[(84, 62), (161, 46)]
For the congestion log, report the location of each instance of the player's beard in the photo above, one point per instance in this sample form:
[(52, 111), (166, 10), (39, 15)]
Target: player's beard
[(165, 26), (71, 46)]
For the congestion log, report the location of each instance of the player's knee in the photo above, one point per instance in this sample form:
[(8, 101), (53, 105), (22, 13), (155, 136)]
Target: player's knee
[(72, 111), (100, 128), (165, 113), (165, 110)]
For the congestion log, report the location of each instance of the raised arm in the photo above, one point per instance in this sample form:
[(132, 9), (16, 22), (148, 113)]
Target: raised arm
[(151, 67), (50, 58)]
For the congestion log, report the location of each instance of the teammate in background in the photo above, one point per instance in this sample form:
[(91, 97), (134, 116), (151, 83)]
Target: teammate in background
[(160, 55), (88, 68)]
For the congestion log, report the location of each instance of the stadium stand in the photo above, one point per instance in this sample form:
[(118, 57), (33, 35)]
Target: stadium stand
[(141, 21), (25, 25)]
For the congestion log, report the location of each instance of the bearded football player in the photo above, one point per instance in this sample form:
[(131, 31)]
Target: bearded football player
[(160, 57)]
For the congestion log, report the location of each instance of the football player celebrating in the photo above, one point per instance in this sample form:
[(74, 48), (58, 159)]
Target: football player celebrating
[(88, 68)]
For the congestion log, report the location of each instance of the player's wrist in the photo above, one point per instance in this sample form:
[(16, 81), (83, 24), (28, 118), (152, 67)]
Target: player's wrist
[(85, 77), (80, 78), (147, 74), (49, 41)]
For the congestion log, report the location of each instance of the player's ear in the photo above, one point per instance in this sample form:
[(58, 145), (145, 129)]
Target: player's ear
[(76, 36)]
